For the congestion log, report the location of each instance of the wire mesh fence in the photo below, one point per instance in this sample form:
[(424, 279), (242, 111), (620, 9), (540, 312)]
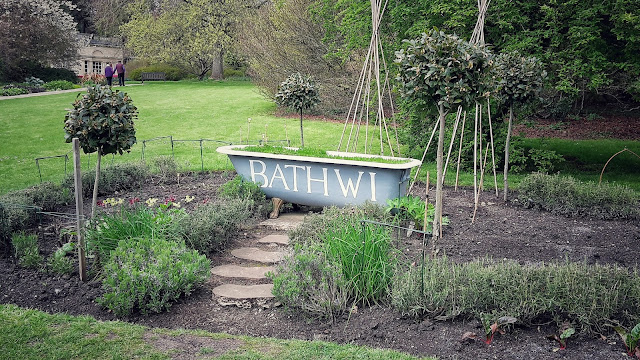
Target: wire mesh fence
[(191, 154)]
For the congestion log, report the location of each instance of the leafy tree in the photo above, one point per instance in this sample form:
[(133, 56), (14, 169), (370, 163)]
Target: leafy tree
[(191, 33), (298, 92), (519, 80), (35, 31), (442, 71), (283, 37), (102, 120), (589, 47)]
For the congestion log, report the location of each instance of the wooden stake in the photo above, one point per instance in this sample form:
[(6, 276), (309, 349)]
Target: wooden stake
[(426, 206), (453, 139), (77, 176), (493, 154), (435, 126), (464, 118), (475, 206)]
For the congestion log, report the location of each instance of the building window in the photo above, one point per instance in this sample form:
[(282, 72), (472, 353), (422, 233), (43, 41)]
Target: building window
[(86, 66), (97, 67)]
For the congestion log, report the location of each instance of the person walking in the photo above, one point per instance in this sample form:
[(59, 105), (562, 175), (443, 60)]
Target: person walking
[(108, 73), (120, 70)]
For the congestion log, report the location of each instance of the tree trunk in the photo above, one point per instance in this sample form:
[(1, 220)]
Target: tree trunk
[(437, 217), (506, 155), (216, 66), (95, 184), (301, 134)]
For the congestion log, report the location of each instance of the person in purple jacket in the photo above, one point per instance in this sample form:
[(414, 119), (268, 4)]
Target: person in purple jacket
[(108, 73), (120, 71)]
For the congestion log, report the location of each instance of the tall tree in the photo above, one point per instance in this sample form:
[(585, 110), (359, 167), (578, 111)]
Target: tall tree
[(36, 31), (191, 33)]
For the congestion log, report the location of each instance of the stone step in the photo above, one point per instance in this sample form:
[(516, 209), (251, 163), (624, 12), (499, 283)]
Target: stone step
[(275, 239), (284, 222), (235, 271), (244, 291), (255, 254)]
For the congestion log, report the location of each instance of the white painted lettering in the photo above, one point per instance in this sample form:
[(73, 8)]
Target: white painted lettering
[(278, 170), (323, 180), (295, 175), (345, 190), (373, 186), (261, 173)]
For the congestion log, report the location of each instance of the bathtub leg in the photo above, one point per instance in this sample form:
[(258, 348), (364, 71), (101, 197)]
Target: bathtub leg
[(277, 205)]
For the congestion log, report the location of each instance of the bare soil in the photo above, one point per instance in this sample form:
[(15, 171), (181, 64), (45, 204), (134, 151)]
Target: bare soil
[(501, 230)]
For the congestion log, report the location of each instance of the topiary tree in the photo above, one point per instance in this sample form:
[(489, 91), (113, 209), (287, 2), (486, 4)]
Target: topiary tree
[(102, 120), (519, 79), (298, 92), (445, 72)]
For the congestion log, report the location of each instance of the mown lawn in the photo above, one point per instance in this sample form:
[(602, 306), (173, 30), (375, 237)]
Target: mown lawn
[(219, 111), (32, 334)]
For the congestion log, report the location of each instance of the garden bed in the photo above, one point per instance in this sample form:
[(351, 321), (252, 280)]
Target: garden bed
[(500, 231)]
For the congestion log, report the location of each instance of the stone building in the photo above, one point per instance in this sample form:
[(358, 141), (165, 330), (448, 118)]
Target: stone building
[(94, 53)]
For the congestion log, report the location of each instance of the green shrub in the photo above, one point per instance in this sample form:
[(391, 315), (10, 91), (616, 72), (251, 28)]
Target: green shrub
[(17, 208), (147, 274), (165, 168), (105, 232), (60, 264), (306, 280), (16, 214), (315, 225), (588, 296), (334, 264), (49, 196), (12, 91), (241, 189), (59, 85), (234, 73), (171, 73), (567, 196), (117, 177), (26, 250), (210, 226)]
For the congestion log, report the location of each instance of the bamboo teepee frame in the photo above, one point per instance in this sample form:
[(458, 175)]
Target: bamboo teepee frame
[(373, 84)]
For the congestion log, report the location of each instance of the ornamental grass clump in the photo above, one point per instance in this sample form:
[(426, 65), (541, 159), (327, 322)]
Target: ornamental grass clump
[(336, 262), (148, 274), (26, 250), (105, 232)]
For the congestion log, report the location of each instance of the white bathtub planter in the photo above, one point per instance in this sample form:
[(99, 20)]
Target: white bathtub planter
[(322, 181)]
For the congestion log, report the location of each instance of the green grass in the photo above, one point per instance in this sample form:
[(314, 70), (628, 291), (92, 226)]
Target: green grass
[(306, 151), (586, 158), (32, 334), (188, 110), (192, 110)]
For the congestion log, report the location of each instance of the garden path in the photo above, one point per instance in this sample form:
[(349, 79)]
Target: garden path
[(257, 262)]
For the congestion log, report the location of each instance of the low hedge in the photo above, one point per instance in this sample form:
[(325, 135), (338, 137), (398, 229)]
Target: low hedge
[(567, 196), (171, 73), (589, 296)]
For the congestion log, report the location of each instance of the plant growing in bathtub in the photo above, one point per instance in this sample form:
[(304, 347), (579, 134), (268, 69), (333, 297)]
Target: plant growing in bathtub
[(298, 92)]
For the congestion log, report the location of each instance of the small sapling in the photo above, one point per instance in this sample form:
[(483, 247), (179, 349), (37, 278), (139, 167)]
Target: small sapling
[(490, 328), (630, 339), (565, 333)]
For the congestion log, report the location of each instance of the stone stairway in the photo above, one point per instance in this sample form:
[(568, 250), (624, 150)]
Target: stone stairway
[(239, 281)]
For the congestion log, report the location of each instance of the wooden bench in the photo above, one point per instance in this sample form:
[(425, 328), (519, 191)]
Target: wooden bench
[(153, 76)]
